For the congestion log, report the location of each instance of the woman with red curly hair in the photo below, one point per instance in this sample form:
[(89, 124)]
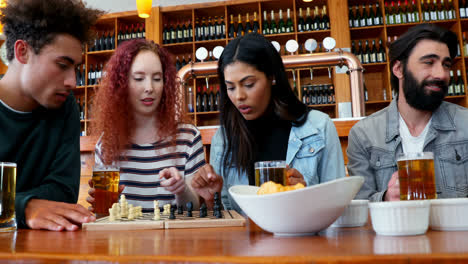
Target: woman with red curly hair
[(138, 112)]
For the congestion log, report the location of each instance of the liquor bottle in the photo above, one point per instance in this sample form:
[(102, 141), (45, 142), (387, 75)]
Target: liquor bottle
[(319, 97), (387, 13), (350, 16), (232, 30), (211, 29), (353, 48), (357, 17), (281, 25), (462, 9), (240, 27), (217, 28), (450, 10), (433, 10), (222, 26), (332, 94), (90, 78), (360, 52), (308, 23), (143, 30), (78, 76), (256, 25), (460, 84), (199, 100), (378, 15), (426, 12), (173, 38), (112, 40), (373, 53), (312, 95), (211, 99), (189, 31), (265, 25), (381, 52), (366, 94), (134, 31), (185, 36), (190, 100), (304, 95), (83, 76), (441, 11), (370, 16), (248, 26), (400, 17), (363, 21), (198, 30), (451, 86), (316, 19), (217, 99), (205, 100), (205, 30), (120, 33), (273, 28), (179, 33), (366, 55), (325, 18), (289, 23)]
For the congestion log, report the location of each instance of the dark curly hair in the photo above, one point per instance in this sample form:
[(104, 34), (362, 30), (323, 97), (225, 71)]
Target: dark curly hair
[(38, 22), (112, 112)]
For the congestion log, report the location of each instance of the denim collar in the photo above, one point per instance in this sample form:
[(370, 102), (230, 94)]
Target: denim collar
[(441, 120)]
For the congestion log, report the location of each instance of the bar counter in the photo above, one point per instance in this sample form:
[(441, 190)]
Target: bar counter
[(248, 244)]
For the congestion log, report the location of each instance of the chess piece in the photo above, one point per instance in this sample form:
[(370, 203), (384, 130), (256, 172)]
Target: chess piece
[(189, 209), (167, 208), (172, 215), (203, 210), (111, 215), (157, 214), (180, 209)]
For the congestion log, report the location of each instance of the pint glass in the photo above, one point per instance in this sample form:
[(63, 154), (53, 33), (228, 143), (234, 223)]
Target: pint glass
[(416, 176), (7, 196), (270, 171), (106, 184)]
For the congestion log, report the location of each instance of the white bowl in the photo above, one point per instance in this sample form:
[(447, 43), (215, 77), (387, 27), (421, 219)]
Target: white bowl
[(299, 212), (401, 218), (355, 214), (449, 214)]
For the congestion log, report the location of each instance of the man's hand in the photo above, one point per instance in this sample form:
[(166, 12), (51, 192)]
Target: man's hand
[(206, 183), (173, 182), (294, 176), (91, 200), (393, 188), (56, 216)]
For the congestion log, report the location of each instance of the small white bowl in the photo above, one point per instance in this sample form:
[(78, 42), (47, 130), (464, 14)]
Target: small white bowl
[(449, 214), (400, 218), (355, 214), (300, 212)]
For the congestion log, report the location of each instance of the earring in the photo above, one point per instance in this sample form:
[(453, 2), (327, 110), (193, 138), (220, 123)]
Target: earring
[(273, 82)]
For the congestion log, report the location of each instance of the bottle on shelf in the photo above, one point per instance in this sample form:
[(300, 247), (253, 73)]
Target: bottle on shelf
[(232, 30), (363, 20), (370, 16), (289, 23), (273, 28), (281, 24), (381, 56), (78, 76), (256, 25), (240, 27), (211, 29), (308, 23), (441, 11), (248, 26), (90, 75), (357, 17), (316, 24), (451, 86), (373, 53), (217, 98), (350, 17), (199, 100), (173, 36), (378, 20), (462, 7), (197, 30), (460, 84), (265, 25), (178, 64), (190, 100), (205, 100), (300, 22), (211, 99)]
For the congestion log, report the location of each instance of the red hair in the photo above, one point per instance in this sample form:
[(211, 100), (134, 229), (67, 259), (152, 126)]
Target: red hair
[(112, 112)]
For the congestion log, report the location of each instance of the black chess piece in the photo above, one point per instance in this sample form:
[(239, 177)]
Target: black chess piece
[(203, 210), (189, 209), (172, 214), (215, 208), (180, 209)]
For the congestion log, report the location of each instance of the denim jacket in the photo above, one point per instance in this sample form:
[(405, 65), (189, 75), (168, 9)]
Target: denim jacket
[(313, 149), (374, 143)]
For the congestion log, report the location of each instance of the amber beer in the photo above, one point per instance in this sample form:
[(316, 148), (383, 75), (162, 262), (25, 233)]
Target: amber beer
[(106, 183), (7, 195), (270, 171), (416, 176)]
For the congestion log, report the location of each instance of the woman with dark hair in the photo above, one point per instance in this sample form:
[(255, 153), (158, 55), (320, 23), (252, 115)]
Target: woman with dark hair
[(261, 119), (138, 112)]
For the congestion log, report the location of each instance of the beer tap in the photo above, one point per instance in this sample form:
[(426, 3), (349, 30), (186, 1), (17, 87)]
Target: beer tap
[(329, 43), (310, 45)]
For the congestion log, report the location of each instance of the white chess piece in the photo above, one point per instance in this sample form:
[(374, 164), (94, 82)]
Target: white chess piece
[(111, 215), (167, 209)]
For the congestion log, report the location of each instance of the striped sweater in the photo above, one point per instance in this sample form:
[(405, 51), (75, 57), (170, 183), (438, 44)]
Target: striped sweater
[(140, 166)]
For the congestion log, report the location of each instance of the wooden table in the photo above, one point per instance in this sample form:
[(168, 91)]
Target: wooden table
[(231, 245)]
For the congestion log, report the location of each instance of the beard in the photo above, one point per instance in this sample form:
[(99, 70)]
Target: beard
[(417, 96)]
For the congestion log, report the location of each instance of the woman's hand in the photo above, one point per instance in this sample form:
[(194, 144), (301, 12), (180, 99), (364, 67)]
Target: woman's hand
[(206, 183), (294, 176), (172, 182)]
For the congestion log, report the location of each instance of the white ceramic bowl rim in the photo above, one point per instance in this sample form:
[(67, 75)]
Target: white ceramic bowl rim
[(402, 204), (449, 201), (232, 188), (359, 202)]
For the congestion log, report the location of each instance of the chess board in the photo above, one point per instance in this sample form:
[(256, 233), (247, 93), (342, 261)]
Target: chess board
[(230, 218)]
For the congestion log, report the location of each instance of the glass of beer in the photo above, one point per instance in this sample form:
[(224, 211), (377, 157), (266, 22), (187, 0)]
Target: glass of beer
[(7, 196), (416, 176), (106, 185), (274, 170)]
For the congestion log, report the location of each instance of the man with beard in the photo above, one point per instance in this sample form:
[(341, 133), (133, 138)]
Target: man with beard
[(416, 120)]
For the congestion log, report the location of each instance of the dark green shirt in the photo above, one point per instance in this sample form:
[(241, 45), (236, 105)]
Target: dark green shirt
[(45, 145)]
